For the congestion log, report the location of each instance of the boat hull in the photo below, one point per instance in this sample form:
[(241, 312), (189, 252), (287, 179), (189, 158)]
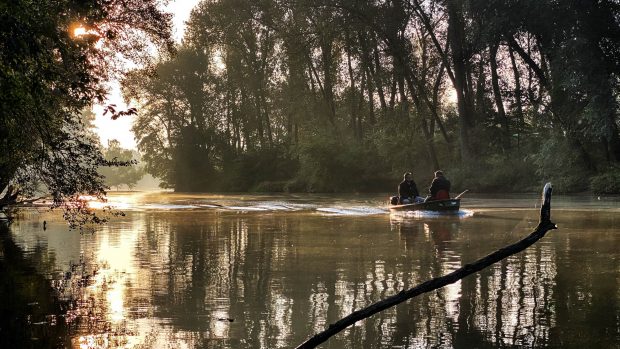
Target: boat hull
[(437, 205)]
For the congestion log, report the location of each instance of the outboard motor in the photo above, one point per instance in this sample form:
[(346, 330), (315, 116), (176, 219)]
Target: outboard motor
[(394, 200)]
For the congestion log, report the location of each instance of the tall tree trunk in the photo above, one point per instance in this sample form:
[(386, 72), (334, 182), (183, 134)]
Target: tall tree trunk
[(539, 71), (246, 134), (614, 138), (363, 84), (372, 66), (530, 77), (393, 92), (480, 107), (266, 117), (371, 97), (327, 60), (499, 103), (353, 94), (415, 97), (259, 119), (404, 102), (378, 80), (518, 96), (456, 36), (434, 104)]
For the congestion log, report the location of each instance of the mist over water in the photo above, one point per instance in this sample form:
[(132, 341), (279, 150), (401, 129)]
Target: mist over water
[(268, 271)]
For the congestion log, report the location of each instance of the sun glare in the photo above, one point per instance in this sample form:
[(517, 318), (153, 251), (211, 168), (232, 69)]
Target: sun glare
[(79, 31), (452, 96), (218, 60), (116, 203)]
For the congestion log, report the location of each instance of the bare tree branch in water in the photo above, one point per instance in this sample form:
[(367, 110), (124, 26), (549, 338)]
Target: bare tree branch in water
[(543, 227)]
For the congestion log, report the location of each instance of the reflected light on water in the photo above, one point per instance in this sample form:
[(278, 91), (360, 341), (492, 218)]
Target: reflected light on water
[(105, 300), (220, 324), (118, 203), (226, 279), (117, 267)]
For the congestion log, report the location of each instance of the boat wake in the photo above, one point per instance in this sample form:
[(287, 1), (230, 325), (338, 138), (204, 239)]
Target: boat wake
[(431, 214), (249, 206), (351, 211)]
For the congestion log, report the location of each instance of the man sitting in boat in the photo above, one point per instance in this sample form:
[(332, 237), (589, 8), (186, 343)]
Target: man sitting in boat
[(408, 191), (440, 187)]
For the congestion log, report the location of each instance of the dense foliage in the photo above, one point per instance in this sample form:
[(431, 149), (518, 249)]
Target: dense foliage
[(121, 176), (49, 74), (348, 94)]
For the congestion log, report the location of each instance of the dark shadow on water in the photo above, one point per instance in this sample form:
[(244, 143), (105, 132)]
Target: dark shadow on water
[(30, 314)]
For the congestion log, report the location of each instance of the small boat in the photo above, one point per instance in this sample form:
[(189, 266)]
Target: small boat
[(435, 205)]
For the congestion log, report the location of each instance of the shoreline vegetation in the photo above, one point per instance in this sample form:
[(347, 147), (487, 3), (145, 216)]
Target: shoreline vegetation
[(325, 97), (311, 96), (385, 186)]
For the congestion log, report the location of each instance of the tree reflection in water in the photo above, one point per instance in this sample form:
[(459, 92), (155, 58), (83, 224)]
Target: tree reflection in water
[(212, 279)]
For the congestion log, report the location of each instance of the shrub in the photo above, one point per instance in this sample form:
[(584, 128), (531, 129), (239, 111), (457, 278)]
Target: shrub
[(496, 174), (607, 182), (260, 170), (557, 162)]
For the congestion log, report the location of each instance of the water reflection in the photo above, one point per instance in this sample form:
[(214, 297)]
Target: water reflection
[(217, 279)]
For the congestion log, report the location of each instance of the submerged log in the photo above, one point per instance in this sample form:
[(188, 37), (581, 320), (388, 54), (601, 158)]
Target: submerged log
[(543, 227)]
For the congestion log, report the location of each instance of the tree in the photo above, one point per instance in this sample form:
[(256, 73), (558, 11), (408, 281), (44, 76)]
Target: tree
[(305, 93), (177, 129), (50, 74), (117, 176), (576, 63)]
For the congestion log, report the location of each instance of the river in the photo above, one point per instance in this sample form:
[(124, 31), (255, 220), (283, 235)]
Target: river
[(268, 271)]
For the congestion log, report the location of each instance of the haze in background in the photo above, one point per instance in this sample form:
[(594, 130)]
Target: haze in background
[(120, 129)]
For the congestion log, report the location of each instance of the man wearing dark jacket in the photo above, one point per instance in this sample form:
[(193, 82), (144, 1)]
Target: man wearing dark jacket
[(440, 187), (407, 190)]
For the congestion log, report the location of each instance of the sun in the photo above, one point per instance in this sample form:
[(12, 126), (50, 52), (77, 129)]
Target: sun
[(79, 31)]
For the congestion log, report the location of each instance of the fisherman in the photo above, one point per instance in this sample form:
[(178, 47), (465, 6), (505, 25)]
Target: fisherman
[(408, 191), (440, 187)]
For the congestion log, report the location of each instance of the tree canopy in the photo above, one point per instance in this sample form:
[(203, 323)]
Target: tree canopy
[(348, 94), (319, 95), (119, 176), (55, 57)]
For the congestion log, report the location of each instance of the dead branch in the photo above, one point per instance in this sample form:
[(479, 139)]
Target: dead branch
[(543, 227)]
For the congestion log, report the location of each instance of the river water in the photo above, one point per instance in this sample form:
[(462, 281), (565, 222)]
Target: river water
[(243, 271)]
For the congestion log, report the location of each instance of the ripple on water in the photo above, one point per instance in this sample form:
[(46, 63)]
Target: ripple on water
[(167, 207), (174, 280), (352, 211)]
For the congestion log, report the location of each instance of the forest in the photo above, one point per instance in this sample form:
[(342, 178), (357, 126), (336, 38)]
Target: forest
[(346, 95), (313, 95)]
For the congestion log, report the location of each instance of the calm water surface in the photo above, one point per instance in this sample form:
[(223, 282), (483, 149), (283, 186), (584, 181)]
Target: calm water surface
[(198, 271)]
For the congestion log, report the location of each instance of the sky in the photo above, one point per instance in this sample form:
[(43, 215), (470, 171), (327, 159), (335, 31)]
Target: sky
[(120, 129)]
